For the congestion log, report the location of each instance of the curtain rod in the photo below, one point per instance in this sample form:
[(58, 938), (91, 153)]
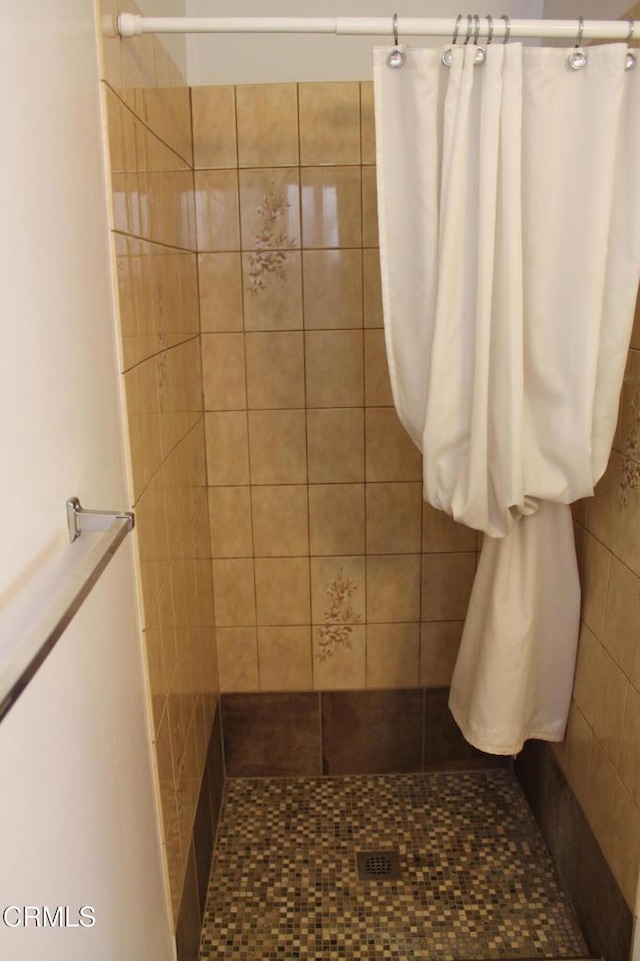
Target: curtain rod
[(133, 25)]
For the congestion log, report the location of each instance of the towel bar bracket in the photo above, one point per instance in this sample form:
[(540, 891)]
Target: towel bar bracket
[(80, 520)]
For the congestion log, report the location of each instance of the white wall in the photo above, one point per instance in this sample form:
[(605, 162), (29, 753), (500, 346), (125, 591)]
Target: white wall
[(589, 9), (78, 821), (275, 58), (176, 44)]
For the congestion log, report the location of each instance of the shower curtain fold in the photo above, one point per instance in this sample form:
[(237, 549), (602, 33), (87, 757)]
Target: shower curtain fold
[(508, 200)]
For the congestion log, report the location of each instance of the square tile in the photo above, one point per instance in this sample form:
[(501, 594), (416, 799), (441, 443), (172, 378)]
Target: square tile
[(337, 590), (335, 444), (439, 645), (285, 658), (377, 385), (271, 734), (277, 446), (217, 209), (234, 593), (269, 210), (267, 124), (445, 749), (213, 112), (371, 732), (280, 521), (332, 289), (336, 518), (237, 659), (334, 368), (393, 588), (597, 564), (227, 447), (446, 585), (368, 131), (394, 518), (339, 657), (220, 278), (369, 207), (372, 288), (441, 534), (393, 655), (223, 371), (329, 123), (391, 455), (230, 522), (275, 370), (331, 207), (272, 283), (283, 594)]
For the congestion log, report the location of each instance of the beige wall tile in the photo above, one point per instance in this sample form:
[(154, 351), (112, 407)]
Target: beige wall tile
[(334, 368), (223, 371), (282, 587), (220, 292), (446, 585), (329, 123), (335, 440), (368, 131), (332, 289), (238, 659), (589, 669), (336, 519), (234, 593), (377, 386), (280, 521), (597, 562), (611, 704), (337, 590), (269, 211), (339, 658), (143, 417), (372, 288), (625, 844), (622, 617), (267, 124), (331, 207), (393, 655), (214, 126), (440, 533), (391, 455), (439, 645), (230, 520), (627, 439), (394, 516), (629, 760), (227, 448), (277, 445), (275, 370), (217, 210), (272, 290), (284, 655), (393, 588), (369, 207)]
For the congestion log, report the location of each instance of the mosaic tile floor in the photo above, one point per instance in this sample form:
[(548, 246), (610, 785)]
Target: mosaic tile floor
[(477, 881)]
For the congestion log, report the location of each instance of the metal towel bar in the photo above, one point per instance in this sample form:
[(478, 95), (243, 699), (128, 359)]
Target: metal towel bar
[(25, 664)]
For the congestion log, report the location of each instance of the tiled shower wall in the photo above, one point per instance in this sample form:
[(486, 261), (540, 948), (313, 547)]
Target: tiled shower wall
[(153, 219), (329, 572)]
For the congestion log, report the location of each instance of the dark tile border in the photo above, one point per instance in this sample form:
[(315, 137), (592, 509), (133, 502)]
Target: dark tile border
[(194, 893), (605, 917), (345, 732)]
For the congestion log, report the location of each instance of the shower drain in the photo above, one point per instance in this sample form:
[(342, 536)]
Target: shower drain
[(378, 865)]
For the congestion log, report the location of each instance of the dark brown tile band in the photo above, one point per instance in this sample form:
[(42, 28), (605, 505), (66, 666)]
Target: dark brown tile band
[(605, 918)]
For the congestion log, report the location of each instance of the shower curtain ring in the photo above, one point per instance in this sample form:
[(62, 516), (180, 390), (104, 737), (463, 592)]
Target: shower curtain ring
[(507, 27), (489, 19), (578, 58), (630, 61), (481, 54), (396, 58), (447, 55), (469, 29)]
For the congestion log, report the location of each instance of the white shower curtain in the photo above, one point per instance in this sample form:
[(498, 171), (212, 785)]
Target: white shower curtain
[(509, 202)]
